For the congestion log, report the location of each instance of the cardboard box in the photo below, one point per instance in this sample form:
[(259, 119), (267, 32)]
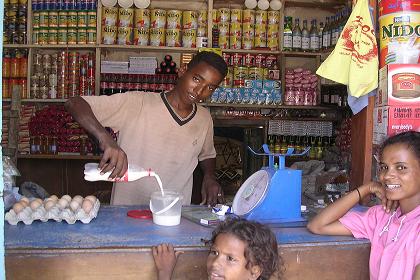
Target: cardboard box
[(399, 85), (391, 120)]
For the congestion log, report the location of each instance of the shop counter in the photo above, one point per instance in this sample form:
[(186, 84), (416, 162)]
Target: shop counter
[(114, 246)]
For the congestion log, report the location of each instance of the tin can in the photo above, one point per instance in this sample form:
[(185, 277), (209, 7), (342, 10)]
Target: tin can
[(43, 36), (62, 36), (72, 19), (35, 36), (43, 19), (260, 30), (261, 17), (248, 60), (202, 17), (35, 19), (236, 16), (256, 73), (109, 16), (223, 29), (52, 36), (273, 31), (235, 29), (189, 19), (173, 19), (157, 37), (201, 31), (240, 74), (91, 35), (62, 18), (173, 37), (53, 19), (125, 17), (82, 19), (91, 19), (260, 42), (273, 17), (157, 20), (235, 42), (141, 36), (109, 35), (82, 36), (142, 18), (248, 29), (125, 36), (223, 15), (248, 16), (223, 41), (72, 36), (228, 80), (227, 58), (189, 38)]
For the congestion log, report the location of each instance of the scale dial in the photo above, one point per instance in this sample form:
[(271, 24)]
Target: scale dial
[(250, 194)]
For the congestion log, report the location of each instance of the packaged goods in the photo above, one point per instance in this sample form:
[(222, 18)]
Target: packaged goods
[(173, 19), (157, 19), (189, 38), (109, 16), (141, 36), (125, 17), (189, 20), (142, 18), (157, 36), (109, 35)]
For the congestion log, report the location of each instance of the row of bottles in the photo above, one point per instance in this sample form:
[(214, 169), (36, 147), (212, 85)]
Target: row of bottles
[(280, 143), (314, 39)]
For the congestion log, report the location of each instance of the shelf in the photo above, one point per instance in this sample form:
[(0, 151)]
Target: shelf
[(65, 156), (16, 46), (257, 106), (38, 100), (262, 51), (325, 4), (148, 48), (77, 46), (301, 54)]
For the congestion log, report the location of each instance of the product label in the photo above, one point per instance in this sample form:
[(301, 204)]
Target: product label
[(287, 40), (305, 43), (314, 43), (297, 42)]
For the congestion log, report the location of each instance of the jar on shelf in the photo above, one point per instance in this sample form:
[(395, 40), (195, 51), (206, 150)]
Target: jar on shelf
[(53, 145)]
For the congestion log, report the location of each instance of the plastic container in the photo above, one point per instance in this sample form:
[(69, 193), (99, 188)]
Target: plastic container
[(166, 209)]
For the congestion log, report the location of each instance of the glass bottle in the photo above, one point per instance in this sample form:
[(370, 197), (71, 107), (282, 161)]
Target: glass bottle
[(314, 39), (305, 37), (283, 146), (334, 30), (296, 37), (321, 28), (287, 34), (53, 145), (326, 34), (313, 151)]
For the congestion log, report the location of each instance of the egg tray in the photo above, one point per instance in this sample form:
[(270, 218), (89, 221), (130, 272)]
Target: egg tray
[(27, 215)]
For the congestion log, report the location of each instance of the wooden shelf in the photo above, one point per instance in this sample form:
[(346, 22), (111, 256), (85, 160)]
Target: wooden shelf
[(64, 156), (148, 48), (257, 106), (16, 46), (326, 4), (262, 51), (38, 100), (77, 46), (301, 54)]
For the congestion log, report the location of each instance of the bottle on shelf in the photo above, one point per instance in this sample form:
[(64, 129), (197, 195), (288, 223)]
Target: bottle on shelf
[(334, 30), (326, 34), (313, 150), (283, 146), (287, 34), (321, 29), (305, 37), (314, 39), (296, 37)]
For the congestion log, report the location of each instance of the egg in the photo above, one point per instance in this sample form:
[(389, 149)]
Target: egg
[(24, 199), (62, 203), (91, 198), (78, 198), (24, 203), (66, 197), (87, 206), (18, 207), (53, 197), (35, 204), (49, 204), (74, 205), (40, 200)]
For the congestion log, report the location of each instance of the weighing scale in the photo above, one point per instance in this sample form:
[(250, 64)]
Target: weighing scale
[(271, 195)]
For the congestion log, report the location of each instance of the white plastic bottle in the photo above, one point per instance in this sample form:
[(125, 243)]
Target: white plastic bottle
[(92, 173)]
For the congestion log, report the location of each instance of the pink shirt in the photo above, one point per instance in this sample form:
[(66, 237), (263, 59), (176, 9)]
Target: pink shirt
[(395, 240)]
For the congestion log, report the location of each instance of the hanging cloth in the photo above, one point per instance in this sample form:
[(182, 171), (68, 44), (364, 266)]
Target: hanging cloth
[(354, 60)]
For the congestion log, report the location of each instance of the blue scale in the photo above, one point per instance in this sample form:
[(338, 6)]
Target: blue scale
[(271, 195)]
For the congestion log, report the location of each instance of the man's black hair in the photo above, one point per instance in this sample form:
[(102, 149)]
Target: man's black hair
[(212, 59)]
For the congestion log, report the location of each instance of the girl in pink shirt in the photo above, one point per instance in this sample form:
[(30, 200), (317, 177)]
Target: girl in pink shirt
[(394, 235)]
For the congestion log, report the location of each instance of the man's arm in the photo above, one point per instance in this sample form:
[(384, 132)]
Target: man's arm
[(114, 158), (211, 191)]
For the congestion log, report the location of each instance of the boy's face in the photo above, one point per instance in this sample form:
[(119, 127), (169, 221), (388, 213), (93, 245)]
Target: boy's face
[(198, 83), (227, 260), (400, 173)]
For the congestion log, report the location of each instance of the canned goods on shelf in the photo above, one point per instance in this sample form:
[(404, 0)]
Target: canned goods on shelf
[(223, 15), (43, 36), (235, 29), (72, 36), (201, 31), (35, 20), (273, 30), (202, 17), (142, 18), (223, 41), (247, 42), (189, 38), (52, 36), (235, 42), (43, 19), (62, 18), (273, 43), (141, 36), (260, 42), (109, 16), (109, 35), (157, 36), (236, 16), (35, 36), (189, 20), (214, 17), (53, 19), (273, 17), (248, 29), (91, 19), (82, 36), (82, 19), (173, 37), (125, 35), (260, 17), (157, 19), (223, 29), (173, 19), (260, 30), (91, 35), (125, 17), (248, 16), (62, 36), (72, 19)]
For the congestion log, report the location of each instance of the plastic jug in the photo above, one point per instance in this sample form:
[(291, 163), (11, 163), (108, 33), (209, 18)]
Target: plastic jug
[(166, 208)]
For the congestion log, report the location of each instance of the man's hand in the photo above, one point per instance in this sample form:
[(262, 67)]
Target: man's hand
[(165, 259), (114, 158), (379, 191), (211, 191)]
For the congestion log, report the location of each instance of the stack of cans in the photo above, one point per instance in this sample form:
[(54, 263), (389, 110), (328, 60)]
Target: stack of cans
[(125, 26), (15, 63), (109, 25), (141, 27), (260, 40), (273, 20), (223, 22), (173, 28), (189, 29), (157, 27), (248, 26), (14, 31), (202, 28)]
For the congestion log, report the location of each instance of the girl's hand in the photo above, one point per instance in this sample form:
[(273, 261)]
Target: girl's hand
[(165, 259), (379, 191)]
